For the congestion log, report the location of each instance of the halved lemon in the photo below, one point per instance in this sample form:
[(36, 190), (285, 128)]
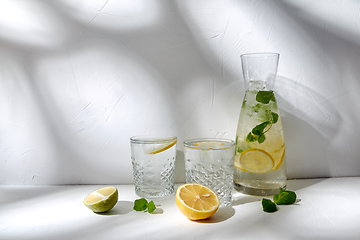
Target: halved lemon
[(196, 201), (255, 160), (158, 148), (102, 200)]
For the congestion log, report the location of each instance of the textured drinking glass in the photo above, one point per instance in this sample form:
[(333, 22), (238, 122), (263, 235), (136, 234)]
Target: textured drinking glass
[(153, 160), (210, 162)]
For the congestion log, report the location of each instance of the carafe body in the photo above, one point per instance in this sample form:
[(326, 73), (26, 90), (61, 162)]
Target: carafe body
[(260, 164)]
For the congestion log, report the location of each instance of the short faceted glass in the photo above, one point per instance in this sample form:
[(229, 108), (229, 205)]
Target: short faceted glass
[(210, 162), (153, 160), (260, 147)]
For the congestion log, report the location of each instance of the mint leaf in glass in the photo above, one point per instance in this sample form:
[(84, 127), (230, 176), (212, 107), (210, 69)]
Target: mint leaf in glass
[(259, 129), (251, 138), (265, 96), (261, 138), (268, 206), (284, 197), (275, 117)]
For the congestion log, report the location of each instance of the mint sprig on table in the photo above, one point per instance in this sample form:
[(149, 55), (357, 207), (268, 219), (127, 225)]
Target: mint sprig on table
[(283, 198), (268, 205), (143, 205), (258, 132)]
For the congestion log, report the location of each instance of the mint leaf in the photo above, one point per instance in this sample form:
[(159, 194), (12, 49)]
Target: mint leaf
[(258, 129), (251, 138), (151, 206), (275, 117), (143, 205), (276, 196), (261, 138), (284, 197), (140, 204), (265, 96), (268, 206)]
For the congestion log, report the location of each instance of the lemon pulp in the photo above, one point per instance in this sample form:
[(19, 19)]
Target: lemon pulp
[(196, 201)]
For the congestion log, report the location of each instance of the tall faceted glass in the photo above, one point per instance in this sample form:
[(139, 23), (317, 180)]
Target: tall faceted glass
[(260, 147)]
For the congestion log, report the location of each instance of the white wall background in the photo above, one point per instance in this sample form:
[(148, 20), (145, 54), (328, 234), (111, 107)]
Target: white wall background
[(79, 78)]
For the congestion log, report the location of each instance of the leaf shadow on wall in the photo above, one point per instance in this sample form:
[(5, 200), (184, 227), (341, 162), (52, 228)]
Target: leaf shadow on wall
[(81, 147), (309, 127)]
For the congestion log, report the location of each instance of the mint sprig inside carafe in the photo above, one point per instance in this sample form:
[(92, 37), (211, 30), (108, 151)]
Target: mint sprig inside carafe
[(270, 118)]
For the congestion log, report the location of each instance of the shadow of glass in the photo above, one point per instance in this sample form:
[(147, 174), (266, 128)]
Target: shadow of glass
[(125, 207), (240, 199), (121, 208), (298, 184), (221, 215), (158, 211), (180, 166)]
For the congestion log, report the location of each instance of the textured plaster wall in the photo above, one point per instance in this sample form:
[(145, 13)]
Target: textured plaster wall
[(79, 78)]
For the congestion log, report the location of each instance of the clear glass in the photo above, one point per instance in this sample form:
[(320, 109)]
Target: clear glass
[(210, 162), (260, 147), (153, 160)]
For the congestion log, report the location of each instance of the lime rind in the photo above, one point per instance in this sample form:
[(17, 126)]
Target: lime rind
[(104, 204)]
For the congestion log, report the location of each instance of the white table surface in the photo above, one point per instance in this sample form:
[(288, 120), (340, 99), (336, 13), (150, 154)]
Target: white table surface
[(325, 209)]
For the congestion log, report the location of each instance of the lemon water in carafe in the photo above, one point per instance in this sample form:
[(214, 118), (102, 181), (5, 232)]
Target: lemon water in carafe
[(260, 147)]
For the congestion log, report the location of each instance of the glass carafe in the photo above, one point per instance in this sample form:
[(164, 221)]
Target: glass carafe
[(260, 146)]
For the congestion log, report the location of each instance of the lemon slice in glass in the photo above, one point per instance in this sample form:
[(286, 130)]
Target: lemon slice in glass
[(255, 160), (196, 201), (102, 200), (158, 147), (279, 160)]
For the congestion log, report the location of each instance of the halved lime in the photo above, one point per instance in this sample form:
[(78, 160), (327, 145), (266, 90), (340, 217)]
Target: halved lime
[(102, 200)]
